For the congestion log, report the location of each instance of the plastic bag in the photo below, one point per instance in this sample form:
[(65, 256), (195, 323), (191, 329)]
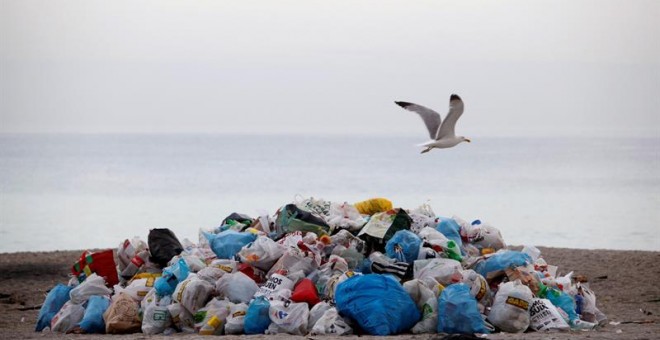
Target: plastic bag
[(171, 277), (181, 318), (563, 301), (211, 319), (331, 323), (478, 287), (373, 206), (482, 236), (93, 285), (590, 312), (543, 315), (510, 310), (458, 312), (92, 321), (193, 262), (192, 293), (445, 271), (275, 282), (382, 226), (257, 318), (295, 259), (122, 316), (288, 317), (67, 317), (290, 218), (102, 263), (139, 288), (236, 318), (305, 291), (237, 287), (345, 216), (163, 246), (155, 315), (451, 230), (229, 242), (378, 263), (368, 299), (498, 262), (526, 275), (403, 246), (316, 312), (127, 250), (54, 301), (440, 243), (262, 253), (427, 304)]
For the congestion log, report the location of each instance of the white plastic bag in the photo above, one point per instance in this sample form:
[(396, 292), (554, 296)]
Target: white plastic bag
[(155, 315), (275, 283), (215, 309), (543, 315), (510, 310), (288, 317), (331, 323), (237, 287), (181, 318), (294, 260), (194, 263), (236, 318), (68, 316), (478, 287), (93, 285), (137, 289), (426, 302), (345, 216), (192, 293), (262, 253), (316, 313), (445, 271), (211, 274)]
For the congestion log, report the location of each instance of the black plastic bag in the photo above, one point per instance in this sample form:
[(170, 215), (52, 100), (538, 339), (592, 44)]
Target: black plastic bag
[(163, 246)]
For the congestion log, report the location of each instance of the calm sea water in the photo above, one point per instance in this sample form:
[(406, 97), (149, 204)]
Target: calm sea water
[(87, 191)]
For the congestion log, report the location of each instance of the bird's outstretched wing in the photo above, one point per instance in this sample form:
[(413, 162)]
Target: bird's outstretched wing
[(431, 118), (455, 112)]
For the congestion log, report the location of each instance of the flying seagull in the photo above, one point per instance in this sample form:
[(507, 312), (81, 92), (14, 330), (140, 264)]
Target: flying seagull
[(442, 135)]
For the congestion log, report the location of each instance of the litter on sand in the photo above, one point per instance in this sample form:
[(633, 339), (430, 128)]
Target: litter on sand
[(317, 267)]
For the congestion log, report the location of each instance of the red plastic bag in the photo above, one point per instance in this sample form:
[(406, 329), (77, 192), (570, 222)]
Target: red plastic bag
[(305, 291), (102, 263)]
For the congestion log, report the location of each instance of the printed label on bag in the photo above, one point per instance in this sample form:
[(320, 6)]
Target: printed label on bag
[(514, 301)]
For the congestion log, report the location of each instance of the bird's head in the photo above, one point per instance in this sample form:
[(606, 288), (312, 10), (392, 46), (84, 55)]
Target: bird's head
[(463, 139)]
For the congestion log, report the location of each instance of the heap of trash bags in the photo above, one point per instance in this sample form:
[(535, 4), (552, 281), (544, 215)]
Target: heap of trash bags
[(319, 267)]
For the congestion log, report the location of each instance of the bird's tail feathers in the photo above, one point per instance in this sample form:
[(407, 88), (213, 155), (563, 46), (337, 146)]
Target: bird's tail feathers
[(426, 144)]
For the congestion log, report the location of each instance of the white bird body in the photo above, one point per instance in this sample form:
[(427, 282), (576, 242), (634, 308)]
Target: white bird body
[(442, 133)]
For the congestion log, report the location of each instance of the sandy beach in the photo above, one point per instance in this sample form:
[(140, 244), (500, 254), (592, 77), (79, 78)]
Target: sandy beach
[(625, 283)]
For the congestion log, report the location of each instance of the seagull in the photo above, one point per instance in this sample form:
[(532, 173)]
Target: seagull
[(442, 135)]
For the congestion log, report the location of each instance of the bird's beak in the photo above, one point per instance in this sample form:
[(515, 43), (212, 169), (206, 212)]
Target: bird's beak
[(467, 140)]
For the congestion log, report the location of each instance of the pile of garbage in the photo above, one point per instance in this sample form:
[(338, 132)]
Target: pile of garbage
[(319, 267)]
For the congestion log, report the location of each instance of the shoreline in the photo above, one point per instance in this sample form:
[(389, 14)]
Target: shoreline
[(624, 281)]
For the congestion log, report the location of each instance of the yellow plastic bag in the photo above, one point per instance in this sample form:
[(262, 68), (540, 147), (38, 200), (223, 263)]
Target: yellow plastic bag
[(373, 206)]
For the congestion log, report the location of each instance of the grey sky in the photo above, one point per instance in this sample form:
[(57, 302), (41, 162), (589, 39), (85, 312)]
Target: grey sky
[(522, 67)]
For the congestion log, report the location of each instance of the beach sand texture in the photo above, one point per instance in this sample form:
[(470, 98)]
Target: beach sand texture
[(626, 283)]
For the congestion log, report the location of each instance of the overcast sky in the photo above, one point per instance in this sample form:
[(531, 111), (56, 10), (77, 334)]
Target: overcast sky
[(522, 67)]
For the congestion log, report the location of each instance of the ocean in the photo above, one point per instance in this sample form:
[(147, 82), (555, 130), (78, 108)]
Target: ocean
[(91, 191)]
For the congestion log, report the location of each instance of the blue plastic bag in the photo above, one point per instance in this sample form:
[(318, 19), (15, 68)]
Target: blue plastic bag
[(501, 261), (451, 230), (458, 311), (378, 303), (172, 275), (403, 246), (55, 299), (226, 244), (92, 321), (563, 301), (256, 318)]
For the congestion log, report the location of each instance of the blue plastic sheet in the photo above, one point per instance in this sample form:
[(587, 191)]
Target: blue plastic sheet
[(451, 230), (92, 321), (256, 318), (403, 246), (458, 311), (55, 299), (501, 261), (378, 303), (172, 275), (226, 244)]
